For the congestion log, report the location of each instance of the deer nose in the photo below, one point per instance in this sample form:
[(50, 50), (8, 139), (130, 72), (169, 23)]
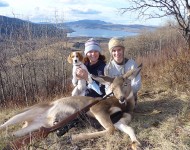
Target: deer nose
[(122, 99)]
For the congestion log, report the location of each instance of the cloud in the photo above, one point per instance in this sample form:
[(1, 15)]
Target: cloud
[(3, 4), (69, 10), (88, 11), (70, 1)]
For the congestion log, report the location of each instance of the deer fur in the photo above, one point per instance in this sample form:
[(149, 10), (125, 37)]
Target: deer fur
[(123, 100)]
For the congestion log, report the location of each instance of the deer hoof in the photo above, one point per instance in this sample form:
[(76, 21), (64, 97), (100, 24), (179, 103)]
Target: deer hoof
[(111, 131), (135, 145)]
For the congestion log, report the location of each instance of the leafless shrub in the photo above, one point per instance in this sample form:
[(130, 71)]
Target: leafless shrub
[(165, 58), (31, 64)]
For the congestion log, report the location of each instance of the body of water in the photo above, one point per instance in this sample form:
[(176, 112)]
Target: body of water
[(80, 32)]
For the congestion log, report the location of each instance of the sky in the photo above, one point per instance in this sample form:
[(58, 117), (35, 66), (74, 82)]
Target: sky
[(72, 10)]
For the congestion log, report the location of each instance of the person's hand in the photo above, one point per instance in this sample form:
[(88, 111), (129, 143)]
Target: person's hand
[(82, 74)]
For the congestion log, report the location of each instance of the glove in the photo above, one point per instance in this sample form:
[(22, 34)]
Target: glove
[(95, 87)]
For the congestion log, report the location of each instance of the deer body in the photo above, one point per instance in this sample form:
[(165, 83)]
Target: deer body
[(123, 100)]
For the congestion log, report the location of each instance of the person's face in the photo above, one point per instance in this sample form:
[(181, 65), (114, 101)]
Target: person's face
[(93, 56), (118, 54)]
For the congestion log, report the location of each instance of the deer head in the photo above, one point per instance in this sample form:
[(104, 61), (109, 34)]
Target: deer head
[(120, 86)]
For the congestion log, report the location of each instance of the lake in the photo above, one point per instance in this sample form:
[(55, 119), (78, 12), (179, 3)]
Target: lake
[(81, 32)]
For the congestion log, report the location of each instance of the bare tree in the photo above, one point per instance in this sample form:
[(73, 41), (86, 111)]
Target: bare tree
[(179, 9), (2, 89)]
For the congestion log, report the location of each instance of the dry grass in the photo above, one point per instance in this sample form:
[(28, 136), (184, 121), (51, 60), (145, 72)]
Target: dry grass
[(163, 118), (162, 122)]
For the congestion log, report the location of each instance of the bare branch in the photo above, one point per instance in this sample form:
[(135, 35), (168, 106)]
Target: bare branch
[(178, 9)]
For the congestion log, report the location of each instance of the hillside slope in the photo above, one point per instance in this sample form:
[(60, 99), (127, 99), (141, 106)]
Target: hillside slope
[(13, 26), (97, 24)]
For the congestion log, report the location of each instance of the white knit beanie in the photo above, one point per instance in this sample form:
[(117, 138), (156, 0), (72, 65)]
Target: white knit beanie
[(114, 42), (92, 44)]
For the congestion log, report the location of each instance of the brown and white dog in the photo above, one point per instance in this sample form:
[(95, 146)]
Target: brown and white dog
[(76, 59)]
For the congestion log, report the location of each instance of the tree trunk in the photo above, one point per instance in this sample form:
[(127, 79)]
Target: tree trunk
[(188, 42), (2, 89), (24, 83)]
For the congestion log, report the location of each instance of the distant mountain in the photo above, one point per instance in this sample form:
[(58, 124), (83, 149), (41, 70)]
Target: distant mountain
[(13, 26), (16, 27), (87, 24), (97, 24)]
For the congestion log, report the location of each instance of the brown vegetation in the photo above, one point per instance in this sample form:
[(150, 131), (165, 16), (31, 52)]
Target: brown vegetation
[(162, 121)]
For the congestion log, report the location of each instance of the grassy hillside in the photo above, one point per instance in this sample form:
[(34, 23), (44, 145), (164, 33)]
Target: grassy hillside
[(162, 119)]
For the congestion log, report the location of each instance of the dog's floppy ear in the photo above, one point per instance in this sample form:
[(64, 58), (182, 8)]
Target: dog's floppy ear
[(69, 59), (80, 56)]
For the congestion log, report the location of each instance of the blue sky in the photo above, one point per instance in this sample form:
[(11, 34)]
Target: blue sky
[(72, 10)]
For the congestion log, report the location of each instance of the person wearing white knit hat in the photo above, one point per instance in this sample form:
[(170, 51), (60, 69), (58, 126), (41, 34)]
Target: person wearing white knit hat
[(95, 63), (119, 64)]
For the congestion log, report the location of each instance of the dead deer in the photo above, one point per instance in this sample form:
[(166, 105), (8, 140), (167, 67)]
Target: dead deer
[(123, 100), (44, 115)]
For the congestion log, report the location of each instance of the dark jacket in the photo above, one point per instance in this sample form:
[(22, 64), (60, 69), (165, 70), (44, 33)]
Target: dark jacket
[(96, 69)]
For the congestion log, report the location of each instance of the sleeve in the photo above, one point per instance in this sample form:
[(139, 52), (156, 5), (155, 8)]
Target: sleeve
[(136, 82), (106, 70)]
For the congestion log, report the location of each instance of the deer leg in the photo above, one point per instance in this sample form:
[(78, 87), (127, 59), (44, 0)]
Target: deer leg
[(14, 120), (85, 136), (122, 125), (30, 128), (104, 120)]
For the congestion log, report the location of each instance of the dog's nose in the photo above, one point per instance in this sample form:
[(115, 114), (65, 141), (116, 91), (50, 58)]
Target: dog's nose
[(75, 61)]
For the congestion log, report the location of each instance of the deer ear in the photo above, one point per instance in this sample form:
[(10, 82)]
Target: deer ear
[(135, 72), (103, 79), (69, 59)]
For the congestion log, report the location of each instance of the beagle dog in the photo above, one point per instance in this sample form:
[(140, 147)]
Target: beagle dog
[(76, 59)]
